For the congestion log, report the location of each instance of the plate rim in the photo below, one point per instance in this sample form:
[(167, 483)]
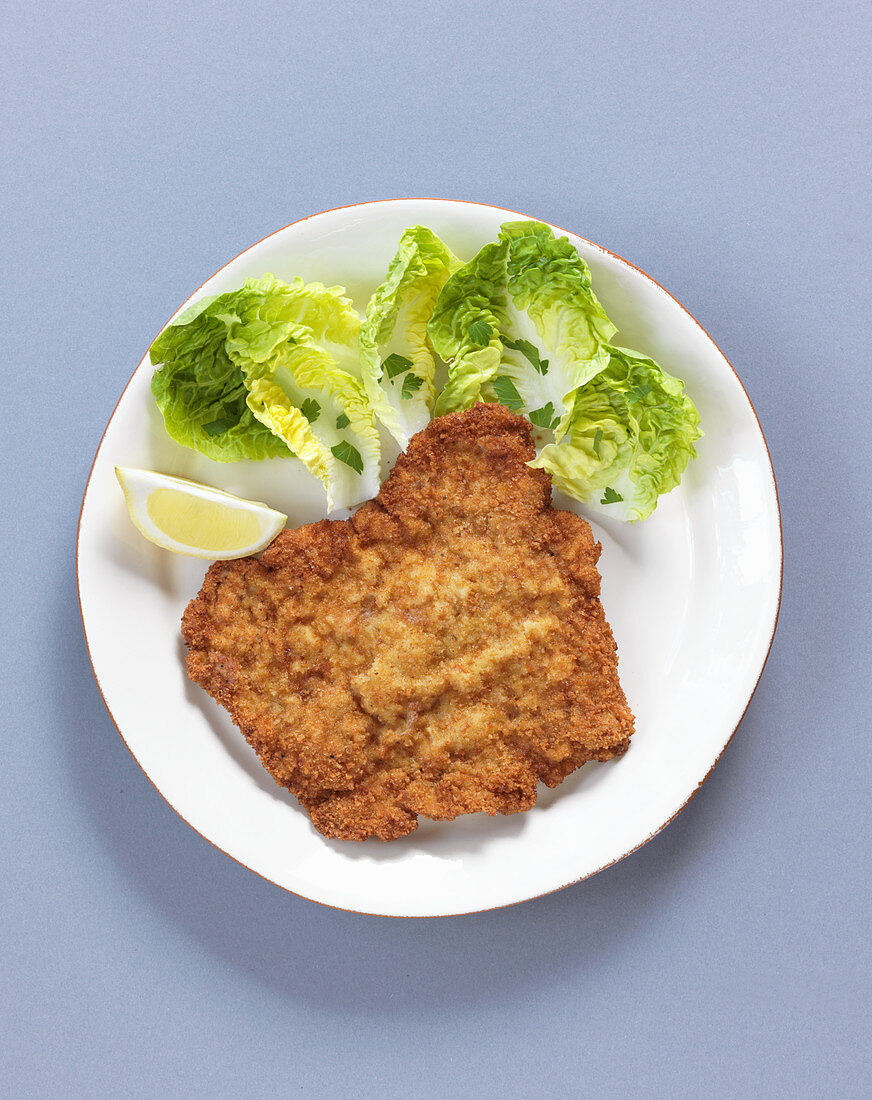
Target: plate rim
[(700, 784)]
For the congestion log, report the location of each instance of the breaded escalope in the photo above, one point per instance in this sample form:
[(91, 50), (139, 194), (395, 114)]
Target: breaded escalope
[(439, 653)]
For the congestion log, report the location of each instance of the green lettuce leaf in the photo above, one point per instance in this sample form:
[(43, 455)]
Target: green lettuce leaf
[(531, 292), (465, 328), (396, 356), (629, 438), (201, 392)]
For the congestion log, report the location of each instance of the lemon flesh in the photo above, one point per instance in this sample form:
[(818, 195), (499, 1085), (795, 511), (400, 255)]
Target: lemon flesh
[(189, 518), (202, 523)]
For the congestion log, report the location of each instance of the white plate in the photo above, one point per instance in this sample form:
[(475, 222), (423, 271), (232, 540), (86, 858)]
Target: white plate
[(692, 595)]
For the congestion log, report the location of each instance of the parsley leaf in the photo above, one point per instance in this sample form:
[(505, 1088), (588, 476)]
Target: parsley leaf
[(597, 439), (411, 383), (639, 393), (479, 332), (349, 455), (529, 351), (218, 427), (310, 409), (342, 421), (544, 417), (610, 496), (507, 393), (395, 364)]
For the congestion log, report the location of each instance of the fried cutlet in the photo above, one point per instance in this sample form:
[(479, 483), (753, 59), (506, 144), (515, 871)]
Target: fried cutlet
[(439, 653)]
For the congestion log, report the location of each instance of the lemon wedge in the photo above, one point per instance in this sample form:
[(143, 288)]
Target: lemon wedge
[(194, 519)]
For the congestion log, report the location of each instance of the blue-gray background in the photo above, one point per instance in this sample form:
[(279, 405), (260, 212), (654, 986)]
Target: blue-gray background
[(722, 148)]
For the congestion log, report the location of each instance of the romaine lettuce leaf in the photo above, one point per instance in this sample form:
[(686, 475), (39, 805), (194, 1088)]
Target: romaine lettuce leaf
[(395, 352), (289, 353), (298, 350), (530, 292), (629, 437), (276, 312), (465, 327)]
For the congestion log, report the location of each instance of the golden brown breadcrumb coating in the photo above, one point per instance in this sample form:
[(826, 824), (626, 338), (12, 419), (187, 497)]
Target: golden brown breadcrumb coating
[(439, 653)]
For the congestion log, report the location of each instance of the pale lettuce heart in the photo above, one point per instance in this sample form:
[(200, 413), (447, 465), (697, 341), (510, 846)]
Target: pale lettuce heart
[(396, 355), (278, 311), (323, 415), (298, 350)]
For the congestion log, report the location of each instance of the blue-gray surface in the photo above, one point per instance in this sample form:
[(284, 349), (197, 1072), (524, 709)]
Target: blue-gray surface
[(725, 150)]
